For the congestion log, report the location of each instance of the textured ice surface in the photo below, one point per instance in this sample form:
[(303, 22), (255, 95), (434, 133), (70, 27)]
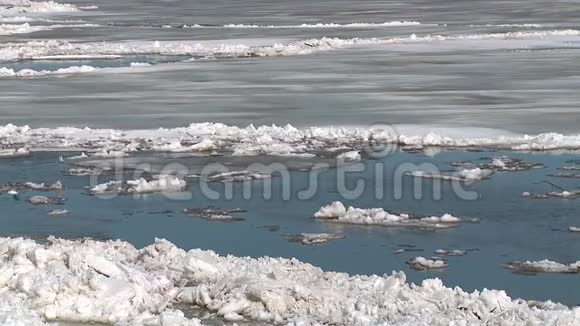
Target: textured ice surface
[(112, 282), (164, 183), (338, 213), (544, 266), (264, 139)]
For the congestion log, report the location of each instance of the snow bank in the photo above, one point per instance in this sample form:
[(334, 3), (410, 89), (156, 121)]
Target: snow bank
[(87, 282), (112, 282), (165, 183), (253, 140), (338, 213)]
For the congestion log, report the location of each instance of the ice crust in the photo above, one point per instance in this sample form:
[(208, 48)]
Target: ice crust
[(258, 140), (114, 283)]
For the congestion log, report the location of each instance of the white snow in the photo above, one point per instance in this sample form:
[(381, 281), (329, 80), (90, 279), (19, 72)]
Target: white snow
[(574, 229), (338, 213), (114, 283), (165, 183)]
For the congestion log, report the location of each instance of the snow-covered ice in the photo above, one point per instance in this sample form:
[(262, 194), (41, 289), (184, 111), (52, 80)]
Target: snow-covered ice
[(474, 174), (338, 213), (421, 263), (44, 200), (164, 183), (273, 140), (69, 281), (544, 266), (313, 238)]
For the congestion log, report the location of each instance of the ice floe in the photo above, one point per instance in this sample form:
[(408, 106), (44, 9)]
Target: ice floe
[(421, 263), (237, 176), (505, 163), (43, 200), (543, 266), (313, 238), (463, 175), (164, 183), (114, 283), (58, 212), (455, 252), (574, 229), (215, 214), (349, 156), (338, 213), (57, 186), (564, 194)]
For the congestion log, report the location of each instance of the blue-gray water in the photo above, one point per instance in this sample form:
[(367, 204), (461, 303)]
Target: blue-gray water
[(516, 85), (511, 227)]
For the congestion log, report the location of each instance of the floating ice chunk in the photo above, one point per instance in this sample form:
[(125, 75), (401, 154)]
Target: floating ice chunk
[(350, 156), (505, 163), (543, 266), (574, 229), (338, 213), (463, 175), (12, 192), (43, 200), (421, 263), (214, 214), (11, 153), (565, 175), (456, 252), (313, 238), (237, 176), (164, 183), (84, 171), (57, 186), (570, 168), (58, 212), (554, 194)]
